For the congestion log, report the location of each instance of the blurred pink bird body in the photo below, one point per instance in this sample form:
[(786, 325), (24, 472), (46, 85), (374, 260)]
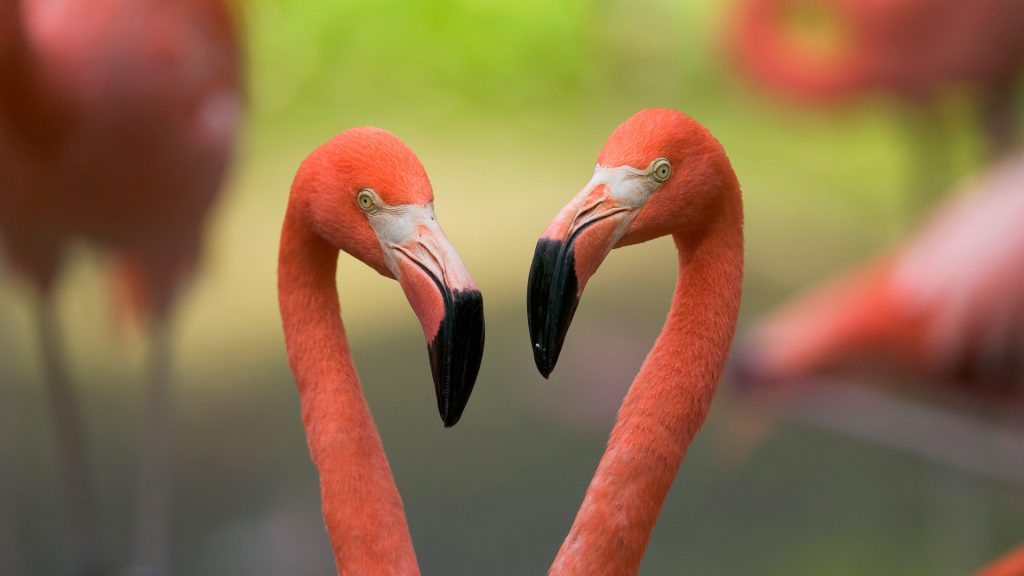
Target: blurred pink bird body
[(116, 125), (949, 304), (913, 49), (946, 307), (117, 121)]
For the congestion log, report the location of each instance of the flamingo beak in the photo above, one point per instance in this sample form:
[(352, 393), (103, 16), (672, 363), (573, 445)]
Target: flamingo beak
[(567, 255), (450, 309)]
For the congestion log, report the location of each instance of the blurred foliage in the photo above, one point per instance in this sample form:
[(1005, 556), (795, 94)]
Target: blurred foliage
[(452, 58), (452, 55)]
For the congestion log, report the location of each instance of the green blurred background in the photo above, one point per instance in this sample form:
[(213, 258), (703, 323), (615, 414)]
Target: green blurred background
[(507, 105)]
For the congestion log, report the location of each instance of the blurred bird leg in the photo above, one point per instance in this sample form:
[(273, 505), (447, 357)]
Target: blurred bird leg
[(72, 453), (153, 482), (10, 434)]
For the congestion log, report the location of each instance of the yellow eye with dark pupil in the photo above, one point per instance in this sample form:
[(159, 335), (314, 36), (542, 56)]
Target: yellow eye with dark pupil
[(365, 199), (661, 170)]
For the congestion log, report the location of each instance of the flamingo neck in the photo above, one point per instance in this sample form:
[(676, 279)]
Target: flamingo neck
[(362, 509), (665, 407)]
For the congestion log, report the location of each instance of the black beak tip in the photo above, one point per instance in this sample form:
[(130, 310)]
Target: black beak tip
[(545, 364), (450, 420), (455, 354), (546, 370), (451, 416), (456, 404), (551, 300)]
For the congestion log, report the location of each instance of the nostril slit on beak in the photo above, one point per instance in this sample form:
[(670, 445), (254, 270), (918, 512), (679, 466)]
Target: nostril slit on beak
[(585, 213)]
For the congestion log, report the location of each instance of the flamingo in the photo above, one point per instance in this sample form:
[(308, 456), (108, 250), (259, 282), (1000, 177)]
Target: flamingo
[(117, 119), (945, 307), (916, 51), (659, 173), (366, 193)]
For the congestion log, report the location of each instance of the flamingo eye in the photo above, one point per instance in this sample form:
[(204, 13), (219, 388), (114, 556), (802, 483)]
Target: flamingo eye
[(661, 169), (365, 199)]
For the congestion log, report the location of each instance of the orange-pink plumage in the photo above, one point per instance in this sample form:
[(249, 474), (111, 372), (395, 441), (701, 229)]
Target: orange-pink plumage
[(364, 192), (660, 173)]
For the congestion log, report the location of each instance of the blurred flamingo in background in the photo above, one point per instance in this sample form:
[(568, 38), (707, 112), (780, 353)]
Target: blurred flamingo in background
[(659, 173), (366, 193), (917, 51), (946, 308), (947, 305), (117, 120)]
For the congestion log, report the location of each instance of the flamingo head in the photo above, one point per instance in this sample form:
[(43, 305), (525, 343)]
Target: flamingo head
[(659, 173), (365, 192)]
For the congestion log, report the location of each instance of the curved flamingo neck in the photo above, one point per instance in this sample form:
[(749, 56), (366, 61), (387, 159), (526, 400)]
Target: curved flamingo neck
[(665, 406), (362, 509)]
